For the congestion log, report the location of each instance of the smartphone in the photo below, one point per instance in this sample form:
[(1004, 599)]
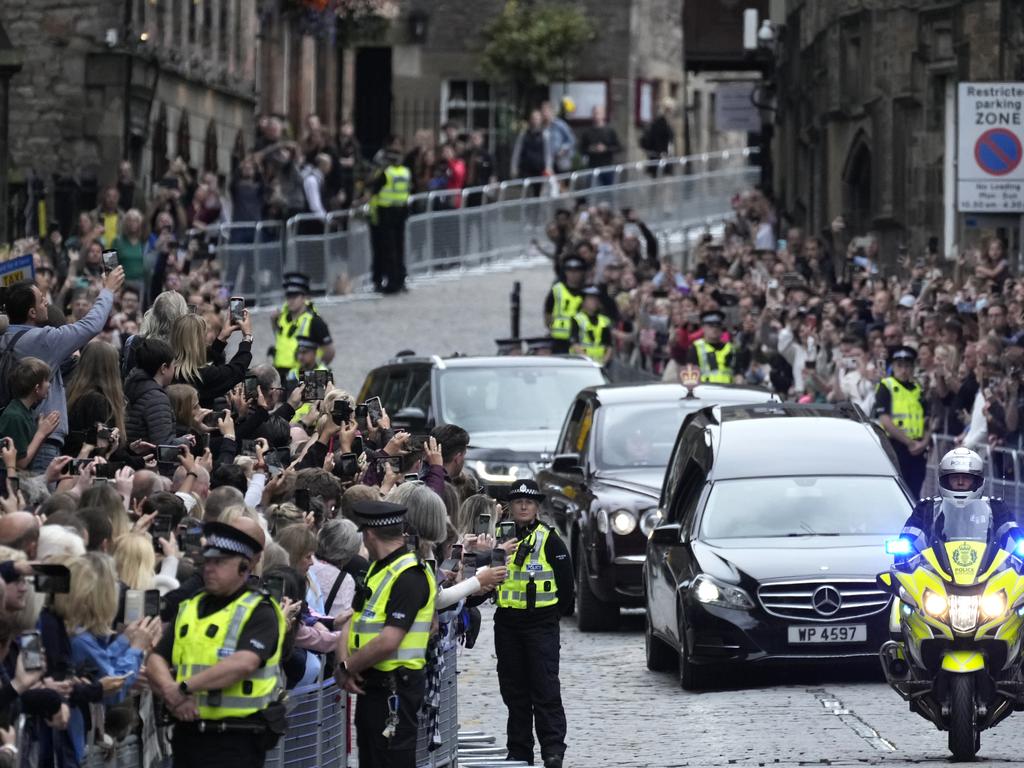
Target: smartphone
[(374, 410), (252, 385), (341, 413), (416, 443), (236, 306), (361, 413), (411, 477), (469, 565), (348, 465), (75, 466), (161, 527), (506, 530), (51, 579), (395, 462), (31, 644), (302, 499), (168, 453), (275, 586), (210, 420), (103, 432), (316, 386), (249, 448), (357, 444), (109, 261), (451, 564), (482, 524), (278, 457), (498, 557), (141, 604)]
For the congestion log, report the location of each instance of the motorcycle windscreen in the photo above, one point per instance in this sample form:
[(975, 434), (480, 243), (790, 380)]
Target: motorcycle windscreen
[(965, 533)]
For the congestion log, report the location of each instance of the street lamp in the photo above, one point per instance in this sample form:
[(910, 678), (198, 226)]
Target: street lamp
[(11, 62), (765, 52), (419, 21)]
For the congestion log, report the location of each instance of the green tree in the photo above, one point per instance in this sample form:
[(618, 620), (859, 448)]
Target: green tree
[(534, 44)]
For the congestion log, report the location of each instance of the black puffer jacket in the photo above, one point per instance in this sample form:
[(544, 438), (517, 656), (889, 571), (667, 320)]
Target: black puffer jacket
[(149, 415)]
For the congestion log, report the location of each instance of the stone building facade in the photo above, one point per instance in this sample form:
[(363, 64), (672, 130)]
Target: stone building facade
[(144, 80), (867, 99)]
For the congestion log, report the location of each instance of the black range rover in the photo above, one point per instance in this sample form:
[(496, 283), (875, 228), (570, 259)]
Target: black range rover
[(512, 407)]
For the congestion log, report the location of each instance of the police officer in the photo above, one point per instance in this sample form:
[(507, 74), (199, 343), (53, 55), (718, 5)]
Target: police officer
[(713, 356), (298, 318), (901, 410), (591, 330), (538, 590), (224, 648), (385, 656), (390, 189), (563, 303)]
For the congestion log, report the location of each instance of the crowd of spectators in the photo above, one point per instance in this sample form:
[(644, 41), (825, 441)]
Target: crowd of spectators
[(123, 433), (814, 318)]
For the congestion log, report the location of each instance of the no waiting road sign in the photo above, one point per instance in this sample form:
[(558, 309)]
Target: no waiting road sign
[(990, 174)]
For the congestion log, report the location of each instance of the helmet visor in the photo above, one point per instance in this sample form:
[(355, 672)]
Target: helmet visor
[(961, 482)]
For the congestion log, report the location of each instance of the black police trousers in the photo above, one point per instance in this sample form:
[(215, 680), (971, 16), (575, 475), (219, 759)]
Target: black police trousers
[(192, 749), (372, 715), (528, 679), (912, 468)]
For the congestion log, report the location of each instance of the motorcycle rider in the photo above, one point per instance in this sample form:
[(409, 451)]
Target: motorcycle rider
[(961, 481)]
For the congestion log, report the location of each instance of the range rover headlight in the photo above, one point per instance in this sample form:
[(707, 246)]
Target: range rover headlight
[(649, 520), (710, 592), (623, 522)]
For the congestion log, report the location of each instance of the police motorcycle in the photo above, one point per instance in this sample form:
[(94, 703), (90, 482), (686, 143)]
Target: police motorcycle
[(958, 583)]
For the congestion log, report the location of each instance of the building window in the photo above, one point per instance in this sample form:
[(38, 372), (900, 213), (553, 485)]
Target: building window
[(159, 144), (211, 150), (468, 103), (184, 142)]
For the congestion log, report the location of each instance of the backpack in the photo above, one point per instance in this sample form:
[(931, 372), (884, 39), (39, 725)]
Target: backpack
[(7, 362)]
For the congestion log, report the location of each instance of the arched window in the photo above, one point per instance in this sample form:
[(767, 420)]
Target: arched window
[(857, 192), (210, 150), (158, 144), (184, 144)]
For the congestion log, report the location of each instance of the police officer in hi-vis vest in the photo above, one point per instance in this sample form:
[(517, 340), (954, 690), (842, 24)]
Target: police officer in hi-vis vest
[(564, 302), (537, 592), (713, 356), (298, 318), (217, 666), (592, 330), (901, 410), (390, 189), (385, 656)]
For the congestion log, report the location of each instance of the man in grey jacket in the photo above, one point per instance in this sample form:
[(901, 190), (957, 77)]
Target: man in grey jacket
[(26, 309)]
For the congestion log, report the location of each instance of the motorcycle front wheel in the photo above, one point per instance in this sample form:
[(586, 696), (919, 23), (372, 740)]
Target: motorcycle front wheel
[(964, 739)]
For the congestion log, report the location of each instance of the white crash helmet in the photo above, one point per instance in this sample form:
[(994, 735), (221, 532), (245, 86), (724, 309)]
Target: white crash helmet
[(961, 461)]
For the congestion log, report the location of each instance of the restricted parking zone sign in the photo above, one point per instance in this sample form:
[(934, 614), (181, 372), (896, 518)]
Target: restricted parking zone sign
[(990, 171)]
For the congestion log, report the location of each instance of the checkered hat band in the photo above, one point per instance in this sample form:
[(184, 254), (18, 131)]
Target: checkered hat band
[(383, 522), (229, 545)]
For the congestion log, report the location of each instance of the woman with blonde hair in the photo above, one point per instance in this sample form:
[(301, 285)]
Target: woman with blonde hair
[(156, 324), (135, 561), (188, 414), (300, 544), (188, 340), (95, 394)]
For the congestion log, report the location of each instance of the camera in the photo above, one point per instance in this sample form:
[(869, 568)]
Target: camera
[(342, 411), (168, 453), (51, 579)]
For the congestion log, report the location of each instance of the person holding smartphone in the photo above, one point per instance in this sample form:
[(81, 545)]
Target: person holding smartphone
[(307, 352), (536, 594), (188, 339)]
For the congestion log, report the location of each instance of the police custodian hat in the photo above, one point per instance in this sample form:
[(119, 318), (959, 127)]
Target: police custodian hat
[(295, 282), (527, 489), (903, 354), (712, 318), (377, 514), (223, 540)]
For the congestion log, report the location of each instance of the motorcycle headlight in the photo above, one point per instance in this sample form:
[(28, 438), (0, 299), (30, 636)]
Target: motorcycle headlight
[(650, 520), (498, 472), (993, 606), (710, 592), (934, 604), (963, 612), (623, 522)]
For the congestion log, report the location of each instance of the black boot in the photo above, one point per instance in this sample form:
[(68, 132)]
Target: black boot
[(553, 761)]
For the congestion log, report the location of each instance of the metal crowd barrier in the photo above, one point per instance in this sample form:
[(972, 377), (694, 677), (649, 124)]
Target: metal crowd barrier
[(448, 719), (317, 734), (1003, 470), (676, 197)]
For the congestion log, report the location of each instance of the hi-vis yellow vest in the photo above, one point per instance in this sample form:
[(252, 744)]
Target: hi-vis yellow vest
[(199, 643), (907, 410), (395, 192), (412, 652), (714, 363), (286, 343), (566, 307), (590, 335), (535, 568)]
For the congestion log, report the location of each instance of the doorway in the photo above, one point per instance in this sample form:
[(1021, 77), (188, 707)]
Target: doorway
[(372, 103)]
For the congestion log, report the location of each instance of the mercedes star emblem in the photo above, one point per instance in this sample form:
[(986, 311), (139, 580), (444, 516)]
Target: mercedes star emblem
[(826, 600)]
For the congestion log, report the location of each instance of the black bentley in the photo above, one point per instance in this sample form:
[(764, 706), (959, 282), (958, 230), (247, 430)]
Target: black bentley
[(775, 522), (603, 485)]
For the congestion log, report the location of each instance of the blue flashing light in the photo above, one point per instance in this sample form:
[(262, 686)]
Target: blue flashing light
[(900, 546), (1019, 549)]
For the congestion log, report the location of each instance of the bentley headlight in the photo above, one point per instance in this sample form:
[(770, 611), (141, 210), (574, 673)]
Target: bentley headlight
[(499, 472), (993, 606), (623, 522), (649, 520), (935, 605), (711, 592), (963, 612)]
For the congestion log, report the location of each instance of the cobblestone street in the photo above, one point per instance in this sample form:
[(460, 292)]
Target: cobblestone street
[(621, 714)]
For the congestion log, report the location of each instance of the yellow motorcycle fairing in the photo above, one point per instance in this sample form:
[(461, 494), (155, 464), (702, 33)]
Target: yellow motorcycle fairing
[(962, 662)]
